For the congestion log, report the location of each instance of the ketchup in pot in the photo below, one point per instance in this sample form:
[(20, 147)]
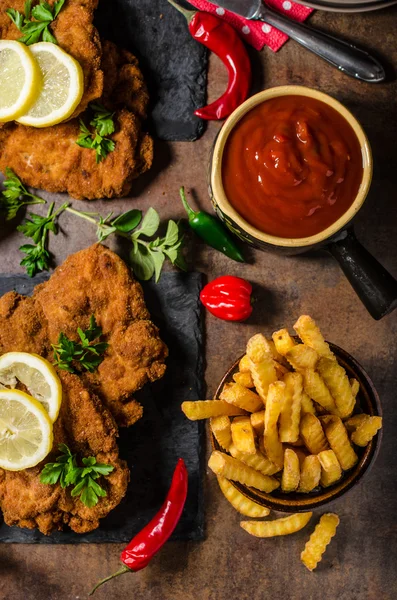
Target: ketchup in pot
[(292, 166)]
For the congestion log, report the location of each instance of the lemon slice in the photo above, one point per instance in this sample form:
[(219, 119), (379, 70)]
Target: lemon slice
[(37, 374), (63, 86), (25, 431), (20, 80)]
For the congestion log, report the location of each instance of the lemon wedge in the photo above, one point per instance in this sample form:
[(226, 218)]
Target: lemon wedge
[(25, 431), (37, 374), (63, 86), (20, 80)]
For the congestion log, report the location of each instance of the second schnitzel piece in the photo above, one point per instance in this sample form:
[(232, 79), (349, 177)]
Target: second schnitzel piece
[(97, 282), (75, 34)]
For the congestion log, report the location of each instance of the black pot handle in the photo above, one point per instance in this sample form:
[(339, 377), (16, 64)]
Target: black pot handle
[(376, 288)]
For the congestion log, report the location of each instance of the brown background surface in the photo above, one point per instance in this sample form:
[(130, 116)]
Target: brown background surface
[(229, 564)]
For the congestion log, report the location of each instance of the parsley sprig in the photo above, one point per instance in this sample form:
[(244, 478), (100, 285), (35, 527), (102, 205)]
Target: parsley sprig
[(86, 353), (15, 196), (43, 15), (103, 125), (67, 472), (37, 228), (147, 256)]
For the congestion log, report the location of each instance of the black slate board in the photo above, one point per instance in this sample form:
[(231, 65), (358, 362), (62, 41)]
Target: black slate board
[(174, 65), (153, 445)]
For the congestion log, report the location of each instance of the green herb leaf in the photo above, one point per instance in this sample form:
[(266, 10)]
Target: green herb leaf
[(87, 354), (15, 196), (149, 225), (158, 259), (48, 37), (102, 121), (142, 263), (28, 9), (16, 17), (127, 221), (43, 14)]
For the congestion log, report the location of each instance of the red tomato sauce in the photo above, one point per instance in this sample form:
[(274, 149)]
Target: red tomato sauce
[(292, 166)]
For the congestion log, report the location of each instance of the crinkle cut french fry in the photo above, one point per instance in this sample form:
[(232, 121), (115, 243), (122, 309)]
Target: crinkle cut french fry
[(311, 335), (307, 405), (310, 474), (291, 408), (244, 379), (276, 355), (258, 422), (257, 461), (355, 386), (312, 434), (205, 409), (283, 341), (366, 431), (284, 526), (243, 435), (262, 367), (302, 357), (338, 384), (319, 540), (316, 389), (236, 394), (330, 468), (220, 427), (241, 503), (291, 472), (338, 439), (355, 421), (271, 441), (281, 370), (230, 468)]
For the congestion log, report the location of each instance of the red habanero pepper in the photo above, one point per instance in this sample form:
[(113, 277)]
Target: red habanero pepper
[(220, 37), (151, 539), (228, 298)]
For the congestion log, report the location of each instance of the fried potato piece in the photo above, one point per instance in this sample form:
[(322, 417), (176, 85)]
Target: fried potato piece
[(243, 435), (221, 428), (262, 367), (291, 472), (244, 364), (338, 384), (205, 409), (230, 468), (355, 387), (284, 526), (366, 431), (241, 503), (354, 421), (258, 422), (279, 358), (302, 357), (307, 405), (244, 379), (330, 468), (291, 408), (310, 474), (338, 439), (238, 395), (312, 434), (316, 389), (283, 341), (311, 335), (319, 540), (271, 441), (257, 461)]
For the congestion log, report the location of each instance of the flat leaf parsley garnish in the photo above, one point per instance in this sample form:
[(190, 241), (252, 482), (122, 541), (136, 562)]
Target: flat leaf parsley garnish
[(37, 228), (86, 353), (15, 196), (147, 256), (43, 15), (67, 472), (103, 125)]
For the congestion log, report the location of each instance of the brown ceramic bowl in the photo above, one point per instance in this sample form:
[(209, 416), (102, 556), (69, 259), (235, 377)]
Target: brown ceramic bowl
[(368, 402)]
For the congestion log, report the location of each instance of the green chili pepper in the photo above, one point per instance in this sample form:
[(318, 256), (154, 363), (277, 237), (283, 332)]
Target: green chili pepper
[(211, 231)]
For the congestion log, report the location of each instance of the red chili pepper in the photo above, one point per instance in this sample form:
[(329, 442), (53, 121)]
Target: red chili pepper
[(228, 298), (151, 539), (220, 37)]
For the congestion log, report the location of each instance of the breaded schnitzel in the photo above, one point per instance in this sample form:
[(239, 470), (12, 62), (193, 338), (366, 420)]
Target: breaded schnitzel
[(50, 159), (84, 424), (75, 33)]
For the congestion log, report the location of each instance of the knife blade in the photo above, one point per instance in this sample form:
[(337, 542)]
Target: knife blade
[(250, 9)]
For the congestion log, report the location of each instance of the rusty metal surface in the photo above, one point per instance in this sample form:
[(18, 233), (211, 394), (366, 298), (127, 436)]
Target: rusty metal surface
[(229, 564)]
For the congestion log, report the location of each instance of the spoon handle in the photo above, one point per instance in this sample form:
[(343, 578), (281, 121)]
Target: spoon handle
[(347, 58)]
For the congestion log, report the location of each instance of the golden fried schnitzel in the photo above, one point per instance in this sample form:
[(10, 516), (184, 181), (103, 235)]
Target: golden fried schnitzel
[(50, 159), (75, 33)]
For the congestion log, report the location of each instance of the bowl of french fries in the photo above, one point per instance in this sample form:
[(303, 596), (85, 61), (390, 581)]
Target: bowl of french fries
[(295, 422)]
